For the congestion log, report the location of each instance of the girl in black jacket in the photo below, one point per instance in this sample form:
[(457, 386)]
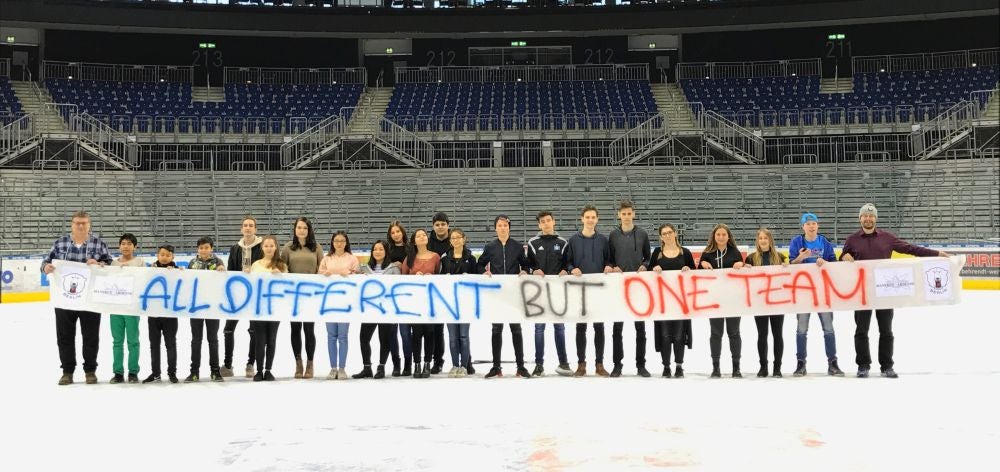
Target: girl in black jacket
[(672, 335), (722, 253), (458, 260)]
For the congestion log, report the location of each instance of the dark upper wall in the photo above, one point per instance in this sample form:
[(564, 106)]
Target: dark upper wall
[(69, 14)]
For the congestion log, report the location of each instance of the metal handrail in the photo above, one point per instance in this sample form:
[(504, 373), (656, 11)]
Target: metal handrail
[(119, 148), (407, 144), (303, 146)]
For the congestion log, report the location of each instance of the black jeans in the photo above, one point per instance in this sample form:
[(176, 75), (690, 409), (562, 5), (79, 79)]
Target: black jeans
[(496, 339), (775, 322), (671, 339), (423, 336), (439, 344), (581, 342), (732, 327), (167, 328), (90, 328), (386, 343), (266, 338), (197, 327), (863, 319), (229, 334), (617, 348), (297, 339)]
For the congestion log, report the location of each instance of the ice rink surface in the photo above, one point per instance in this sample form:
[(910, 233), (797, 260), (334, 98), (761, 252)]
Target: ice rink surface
[(941, 414)]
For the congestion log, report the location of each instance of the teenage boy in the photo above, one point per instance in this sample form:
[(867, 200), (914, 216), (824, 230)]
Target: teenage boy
[(629, 253), (589, 253), (505, 255), (242, 255), (546, 256)]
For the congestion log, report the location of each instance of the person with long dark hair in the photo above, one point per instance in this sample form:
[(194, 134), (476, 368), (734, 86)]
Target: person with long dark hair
[(767, 254), (266, 332), (458, 260), (302, 255), (395, 238), (378, 263), (420, 260), (339, 261), (721, 253), (671, 336)]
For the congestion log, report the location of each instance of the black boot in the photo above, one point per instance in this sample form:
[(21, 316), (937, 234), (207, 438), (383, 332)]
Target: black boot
[(679, 372), (716, 373), (616, 371), (406, 370), (834, 369), (666, 371), (800, 369), (380, 372), (427, 370), (736, 370), (641, 370), (417, 373), (776, 372), (366, 373), (763, 370)]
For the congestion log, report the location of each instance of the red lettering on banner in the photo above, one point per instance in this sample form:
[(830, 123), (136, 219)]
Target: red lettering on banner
[(859, 287), (795, 287), (695, 292), (680, 299), (770, 289), (649, 296), (746, 284)]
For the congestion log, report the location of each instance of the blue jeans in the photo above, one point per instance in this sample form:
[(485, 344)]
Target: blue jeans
[(458, 343), (560, 342), (336, 342), (826, 320), (406, 343)]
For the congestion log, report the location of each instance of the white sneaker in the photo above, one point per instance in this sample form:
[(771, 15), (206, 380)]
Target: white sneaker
[(332, 375), (342, 375)]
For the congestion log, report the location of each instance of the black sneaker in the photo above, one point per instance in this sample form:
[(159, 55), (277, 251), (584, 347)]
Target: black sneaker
[(191, 378), (890, 374), (494, 372), (736, 371), (470, 370), (863, 371), (716, 373), (133, 378), (258, 377), (436, 369), (366, 373), (406, 370), (679, 372), (268, 377), (616, 371), (117, 379), (417, 372), (379, 372), (834, 369), (666, 372), (539, 371), (523, 373), (776, 371), (152, 378), (217, 376), (800, 369), (173, 378), (641, 370), (763, 371)]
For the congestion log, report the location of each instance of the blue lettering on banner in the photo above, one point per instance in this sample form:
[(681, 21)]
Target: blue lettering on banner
[(147, 293), (365, 299), (232, 308), (195, 307), (393, 296), (476, 287), (272, 293), (323, 310), (297, 292)]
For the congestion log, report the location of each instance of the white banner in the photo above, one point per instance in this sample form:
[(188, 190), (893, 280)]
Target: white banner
[(630, 296)]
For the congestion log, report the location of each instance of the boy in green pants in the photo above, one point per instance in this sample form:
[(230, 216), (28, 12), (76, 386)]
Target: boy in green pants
[(126, 326)]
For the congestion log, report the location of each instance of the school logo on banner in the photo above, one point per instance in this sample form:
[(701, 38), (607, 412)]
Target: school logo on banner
[(73, 285), (937, 279), (894, 282)]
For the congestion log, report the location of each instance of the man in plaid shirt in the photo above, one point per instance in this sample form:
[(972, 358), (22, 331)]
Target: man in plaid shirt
[(78, 246)]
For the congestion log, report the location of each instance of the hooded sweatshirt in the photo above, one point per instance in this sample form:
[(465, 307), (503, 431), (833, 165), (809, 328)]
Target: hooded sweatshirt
[(629, 249), (242, 256), (588, 253)]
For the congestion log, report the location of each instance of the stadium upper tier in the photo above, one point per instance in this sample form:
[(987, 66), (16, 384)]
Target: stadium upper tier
[(904, 96), (552, 104)]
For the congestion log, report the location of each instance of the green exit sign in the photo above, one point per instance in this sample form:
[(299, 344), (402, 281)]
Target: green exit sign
[(836, 36), (518, 44), (206, 45), (10, 39)]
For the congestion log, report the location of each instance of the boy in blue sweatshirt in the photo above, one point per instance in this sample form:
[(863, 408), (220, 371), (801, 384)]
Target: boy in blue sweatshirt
[(588, 252), (810, 247)]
